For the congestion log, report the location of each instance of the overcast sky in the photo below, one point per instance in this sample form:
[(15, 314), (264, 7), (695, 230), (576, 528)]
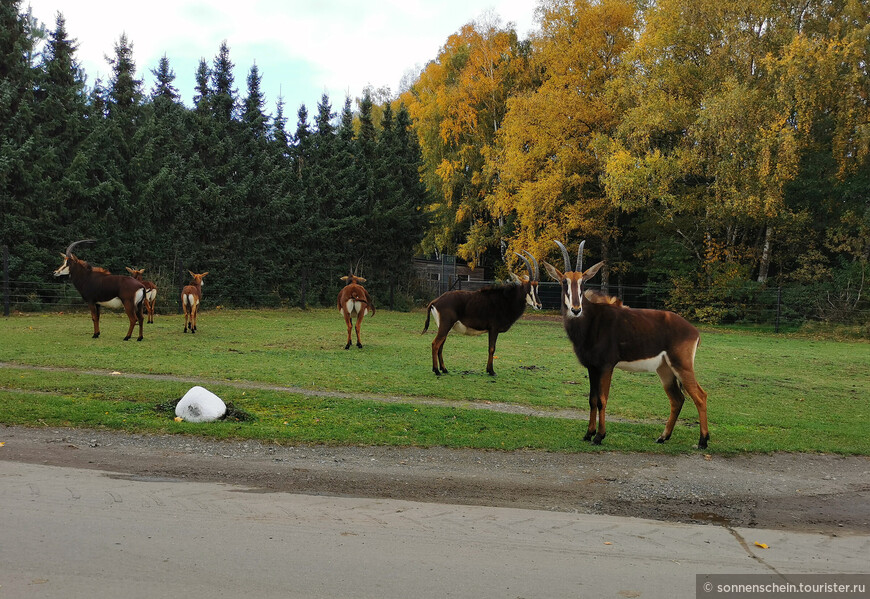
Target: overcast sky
[(302, 48)]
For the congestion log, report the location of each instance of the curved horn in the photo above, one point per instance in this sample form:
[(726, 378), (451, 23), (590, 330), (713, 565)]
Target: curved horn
[(580, 256), (528, 266), (564, 256), (537, 276), (75, 243)]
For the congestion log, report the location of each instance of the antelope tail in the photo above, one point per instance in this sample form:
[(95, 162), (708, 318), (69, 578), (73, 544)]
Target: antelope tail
[(428, 315)]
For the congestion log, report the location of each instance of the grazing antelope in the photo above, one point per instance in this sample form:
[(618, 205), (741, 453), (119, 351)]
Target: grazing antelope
[(491, 309), (190, 298), (354, 301), (150, 292), (98, 287), (607, 335)]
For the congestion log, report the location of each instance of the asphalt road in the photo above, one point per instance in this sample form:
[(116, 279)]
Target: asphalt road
[(69, 532)]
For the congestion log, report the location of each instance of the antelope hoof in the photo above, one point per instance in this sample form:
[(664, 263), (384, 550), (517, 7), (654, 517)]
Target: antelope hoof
[(95, 336), (127, 338), (663, 438), (347, 346), (139, 339), (490, 372), (185, 330), (703, 440), (588, 435), (359, 345), (436, 371), (596, 440)]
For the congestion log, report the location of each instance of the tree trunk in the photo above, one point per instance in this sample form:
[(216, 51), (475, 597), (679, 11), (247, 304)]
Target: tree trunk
[(764, 265)]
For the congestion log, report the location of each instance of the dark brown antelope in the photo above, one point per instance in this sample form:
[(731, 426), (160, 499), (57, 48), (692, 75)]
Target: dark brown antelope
[(98, 287), (354, 302), (490, 310), (190, 298), (150, 292), (607, 335)]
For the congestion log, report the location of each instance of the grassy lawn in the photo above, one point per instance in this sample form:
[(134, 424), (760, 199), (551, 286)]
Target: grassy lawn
[(766, 392)]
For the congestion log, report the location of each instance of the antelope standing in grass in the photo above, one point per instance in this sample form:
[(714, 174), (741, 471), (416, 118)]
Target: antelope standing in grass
[(490, 310), (150, 291), (190, 298), (607, 335), (98, 287), (354, 302)]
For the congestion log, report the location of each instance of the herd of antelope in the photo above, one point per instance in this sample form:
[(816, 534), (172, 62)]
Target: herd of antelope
[(604, 333)]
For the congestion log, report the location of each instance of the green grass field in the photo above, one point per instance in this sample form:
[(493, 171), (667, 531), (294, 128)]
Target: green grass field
[(766, 393)]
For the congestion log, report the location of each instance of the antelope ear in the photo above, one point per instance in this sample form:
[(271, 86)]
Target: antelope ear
[(515, 278), (593, 270), (130, 270), (344, 278), (361, 280), (205, 273), (553, 272), (191, 273), (62, 255)]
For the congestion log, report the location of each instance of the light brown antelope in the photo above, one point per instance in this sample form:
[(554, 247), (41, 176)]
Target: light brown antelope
[(354, 302), (150, 292), (98, 287), (190, 298), (607, 335), (490, 310)]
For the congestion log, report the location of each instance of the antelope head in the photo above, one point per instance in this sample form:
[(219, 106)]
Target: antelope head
[(63, 269), (572, 280), (532, 279)]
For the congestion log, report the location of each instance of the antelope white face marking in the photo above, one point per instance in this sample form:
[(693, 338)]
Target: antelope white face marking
[(647, 365), (113, 303), (571, 297), (63, 269), (532, 298)]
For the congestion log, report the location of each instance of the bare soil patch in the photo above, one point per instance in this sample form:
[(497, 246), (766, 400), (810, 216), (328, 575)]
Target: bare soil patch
[(818, 493)]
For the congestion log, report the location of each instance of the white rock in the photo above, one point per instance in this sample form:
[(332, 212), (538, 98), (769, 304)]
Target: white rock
[(200, 405)]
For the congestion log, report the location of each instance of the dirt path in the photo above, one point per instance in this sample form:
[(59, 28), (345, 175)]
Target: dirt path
[(817, 493)]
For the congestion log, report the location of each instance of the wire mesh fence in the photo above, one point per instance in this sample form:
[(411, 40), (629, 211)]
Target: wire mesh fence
[(775, 307)]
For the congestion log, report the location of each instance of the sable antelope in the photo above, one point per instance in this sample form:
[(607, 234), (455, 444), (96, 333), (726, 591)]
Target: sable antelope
[(150, 292), (190, 298), (354, 301), (98, 287), (607, 335), (491, 309)]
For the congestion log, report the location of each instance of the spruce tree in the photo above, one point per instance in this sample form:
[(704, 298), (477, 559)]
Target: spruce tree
[(18, 179), (63, 124)]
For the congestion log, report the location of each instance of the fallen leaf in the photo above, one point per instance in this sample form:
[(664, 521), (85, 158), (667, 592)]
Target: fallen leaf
[(608, 543), (708, 457), (2, 443), (762, 545), (178, 419), (116, 372)]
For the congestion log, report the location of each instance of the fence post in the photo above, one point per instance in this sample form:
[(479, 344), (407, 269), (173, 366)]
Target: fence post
[(5, 280), (778, 307)]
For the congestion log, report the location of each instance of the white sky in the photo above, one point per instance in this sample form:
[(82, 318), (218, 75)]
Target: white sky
[(302, 48)]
